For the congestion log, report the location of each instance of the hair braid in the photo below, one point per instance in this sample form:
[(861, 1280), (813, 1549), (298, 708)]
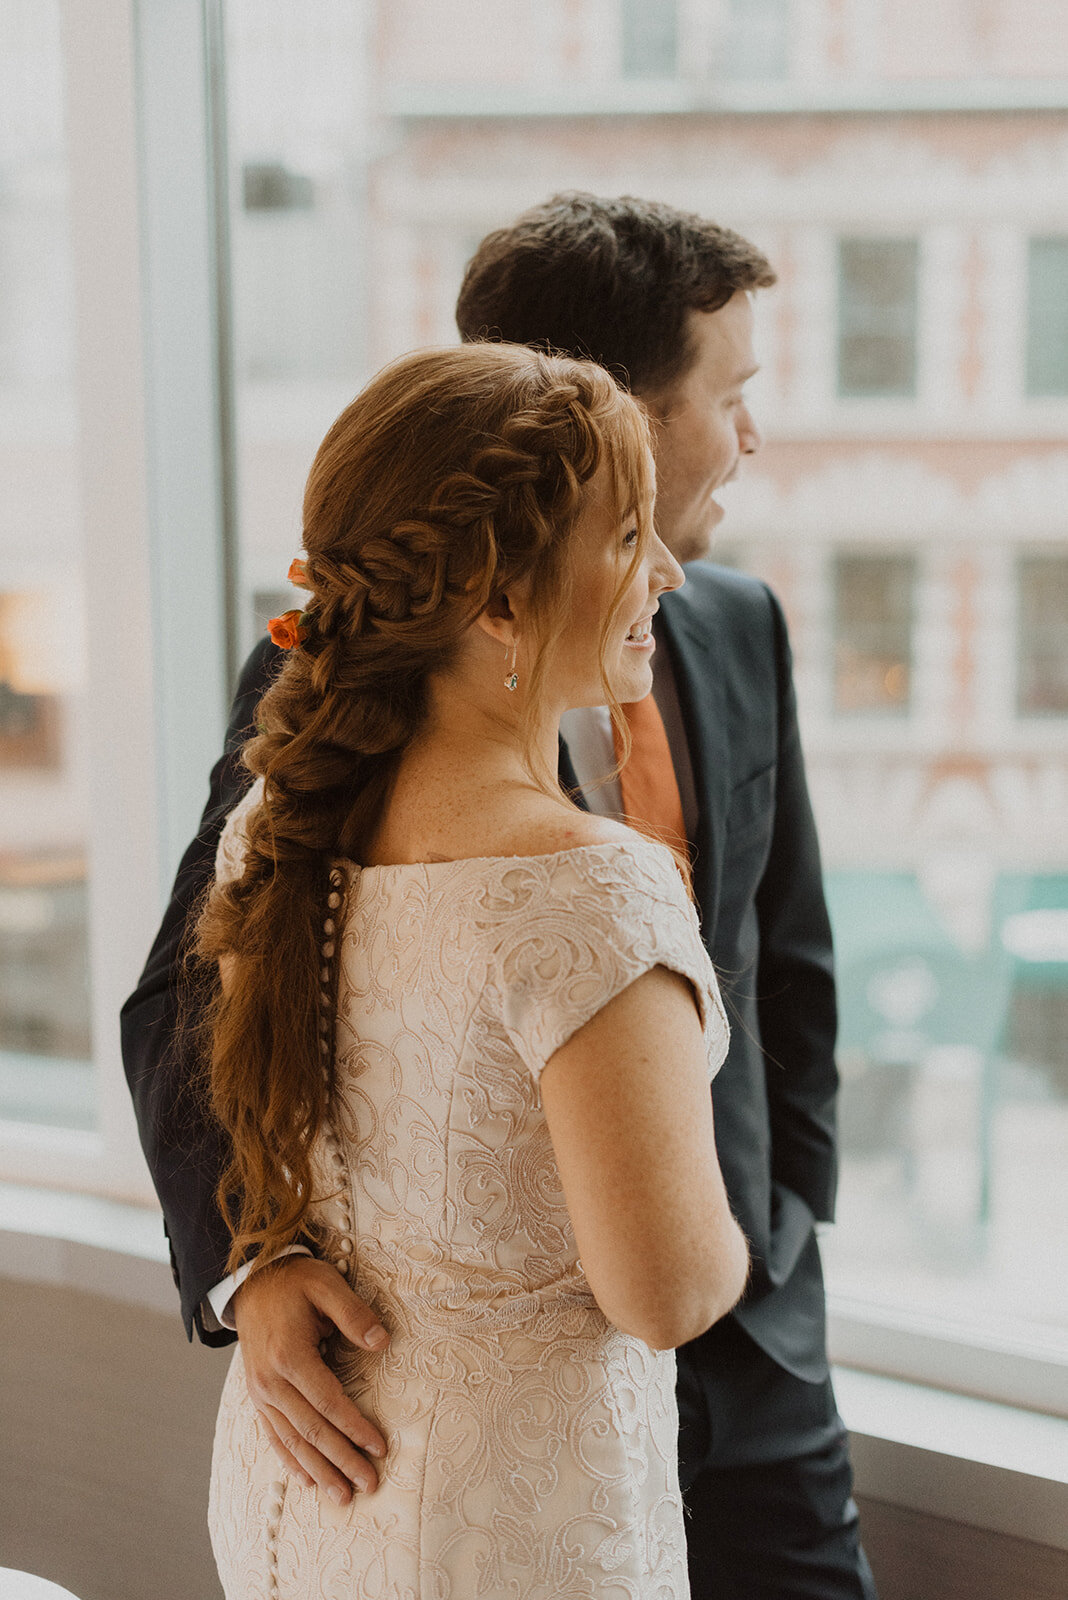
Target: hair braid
[(453, 475)]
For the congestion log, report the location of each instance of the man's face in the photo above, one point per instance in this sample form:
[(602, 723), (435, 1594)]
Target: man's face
[(702, 427)]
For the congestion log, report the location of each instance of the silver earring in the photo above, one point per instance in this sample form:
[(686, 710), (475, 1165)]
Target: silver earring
[(512, 680)]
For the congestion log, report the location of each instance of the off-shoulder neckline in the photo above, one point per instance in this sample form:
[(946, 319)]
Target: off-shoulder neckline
[(625, 845)]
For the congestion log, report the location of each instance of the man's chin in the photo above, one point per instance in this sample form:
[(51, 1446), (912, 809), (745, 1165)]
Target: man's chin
[(698, 541)]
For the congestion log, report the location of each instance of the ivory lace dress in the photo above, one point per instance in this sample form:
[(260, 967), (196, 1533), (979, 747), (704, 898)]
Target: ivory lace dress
[(532, 1446)]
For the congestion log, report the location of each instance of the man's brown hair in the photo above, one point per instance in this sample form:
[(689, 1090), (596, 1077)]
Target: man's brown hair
[(611, 280)]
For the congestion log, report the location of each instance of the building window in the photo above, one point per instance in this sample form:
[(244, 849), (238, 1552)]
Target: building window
[(650, 38), (1047, 317), (756, 43), (1042, 636), (873, 611), (877, 284)]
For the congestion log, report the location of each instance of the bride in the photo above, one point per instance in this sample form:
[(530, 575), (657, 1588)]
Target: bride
[(465, 1030)]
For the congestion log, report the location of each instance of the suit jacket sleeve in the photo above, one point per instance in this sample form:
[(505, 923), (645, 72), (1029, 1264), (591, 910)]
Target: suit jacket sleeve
[(797, 1007), (184, 1146)]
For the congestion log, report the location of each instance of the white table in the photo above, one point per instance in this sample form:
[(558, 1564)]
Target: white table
[(24, 1586)]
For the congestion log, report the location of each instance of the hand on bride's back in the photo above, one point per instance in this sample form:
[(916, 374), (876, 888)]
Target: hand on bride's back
[(282, 1312)]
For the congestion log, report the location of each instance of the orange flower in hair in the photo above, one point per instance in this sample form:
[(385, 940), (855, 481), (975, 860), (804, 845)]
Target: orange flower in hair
[(287, 631), (298, 574)]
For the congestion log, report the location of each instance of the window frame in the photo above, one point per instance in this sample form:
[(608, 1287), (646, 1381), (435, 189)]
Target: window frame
[(151, 386)]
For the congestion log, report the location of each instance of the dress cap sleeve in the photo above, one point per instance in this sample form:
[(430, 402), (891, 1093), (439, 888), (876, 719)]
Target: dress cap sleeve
[(230, 856), (590, 922)]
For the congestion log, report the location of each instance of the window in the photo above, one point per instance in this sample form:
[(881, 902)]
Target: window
[(1047, 317), (954, 1108), (877, 281), (756, 43), (873, 607), (298, 240), (650, 38), (45, 1073), (1042, 636)]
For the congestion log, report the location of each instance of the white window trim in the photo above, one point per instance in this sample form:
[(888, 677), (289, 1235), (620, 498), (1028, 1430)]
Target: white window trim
[(148, 390), (932, 1350)]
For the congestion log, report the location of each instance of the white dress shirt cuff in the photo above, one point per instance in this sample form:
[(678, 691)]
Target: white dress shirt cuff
[(215, 1308)]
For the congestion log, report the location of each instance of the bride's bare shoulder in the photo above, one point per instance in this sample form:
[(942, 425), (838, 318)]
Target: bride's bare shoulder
[(550, 832)]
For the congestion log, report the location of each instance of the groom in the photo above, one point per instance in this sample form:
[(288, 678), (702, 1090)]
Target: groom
[(663, 299)]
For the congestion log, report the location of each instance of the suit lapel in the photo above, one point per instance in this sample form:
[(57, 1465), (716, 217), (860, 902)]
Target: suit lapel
[(688, 630)]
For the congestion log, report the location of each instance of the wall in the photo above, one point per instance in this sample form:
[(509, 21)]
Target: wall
[(106, 1415)]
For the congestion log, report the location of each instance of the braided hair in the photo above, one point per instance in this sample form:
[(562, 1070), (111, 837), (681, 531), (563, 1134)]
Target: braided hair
[(454, 475)]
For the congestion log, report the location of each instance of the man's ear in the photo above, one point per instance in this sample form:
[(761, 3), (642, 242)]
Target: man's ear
[(499, 621)]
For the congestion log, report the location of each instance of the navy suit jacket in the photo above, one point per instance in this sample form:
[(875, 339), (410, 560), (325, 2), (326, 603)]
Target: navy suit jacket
[(758, 886)]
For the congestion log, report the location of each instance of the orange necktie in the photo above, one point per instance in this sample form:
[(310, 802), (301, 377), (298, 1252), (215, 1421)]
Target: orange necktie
[(647, 781)]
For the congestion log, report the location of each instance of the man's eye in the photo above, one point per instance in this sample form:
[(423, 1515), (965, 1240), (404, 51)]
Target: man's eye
[(630, 539)]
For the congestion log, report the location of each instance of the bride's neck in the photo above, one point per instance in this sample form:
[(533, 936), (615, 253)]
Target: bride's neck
[(464, 780), (478, 727)]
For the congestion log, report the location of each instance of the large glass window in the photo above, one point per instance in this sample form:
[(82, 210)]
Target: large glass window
[(351, 227), (45, 1074), (877, 285), (1047, 317), (299, 161), (353, 207)]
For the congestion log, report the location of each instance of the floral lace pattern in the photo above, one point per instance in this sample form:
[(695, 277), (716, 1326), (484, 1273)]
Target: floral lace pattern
[(532, 1446)]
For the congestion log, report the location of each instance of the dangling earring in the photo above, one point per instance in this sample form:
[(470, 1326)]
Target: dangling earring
[(512, 680)]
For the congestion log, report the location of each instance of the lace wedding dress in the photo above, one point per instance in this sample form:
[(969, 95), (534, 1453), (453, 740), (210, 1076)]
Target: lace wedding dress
[(532, 1446)]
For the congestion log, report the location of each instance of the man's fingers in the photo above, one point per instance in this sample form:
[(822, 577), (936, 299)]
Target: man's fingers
[(289, 1461), (349, 1314), (302, 1388), (328, 1399), (323, 1453), (282, 1314)]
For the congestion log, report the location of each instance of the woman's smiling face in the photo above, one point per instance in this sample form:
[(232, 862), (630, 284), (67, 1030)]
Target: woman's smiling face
[(614, 596)]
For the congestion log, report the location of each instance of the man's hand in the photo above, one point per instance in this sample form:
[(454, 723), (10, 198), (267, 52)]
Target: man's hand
[(281, 1313)]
